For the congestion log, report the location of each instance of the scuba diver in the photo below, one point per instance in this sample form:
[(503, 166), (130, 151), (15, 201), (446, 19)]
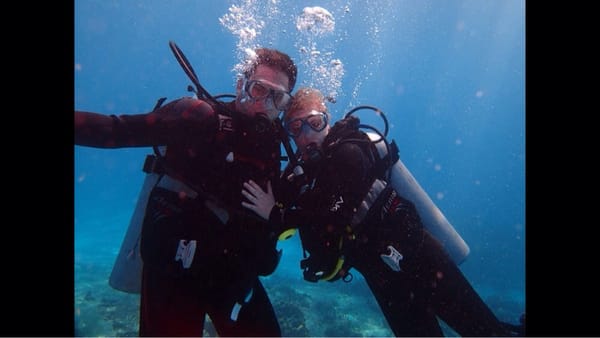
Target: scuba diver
[(202, 252), (349, 214)]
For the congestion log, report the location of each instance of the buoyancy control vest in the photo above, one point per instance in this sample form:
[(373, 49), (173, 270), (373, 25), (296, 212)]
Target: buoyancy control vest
[(387, 172), (221, 167), (327, 247), (236, 138)]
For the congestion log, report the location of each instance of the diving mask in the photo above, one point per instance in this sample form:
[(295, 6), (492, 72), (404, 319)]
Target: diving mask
[(258, 90), (316, 120)]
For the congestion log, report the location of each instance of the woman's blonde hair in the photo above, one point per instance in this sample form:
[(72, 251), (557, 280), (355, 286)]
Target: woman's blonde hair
[(307, 98)]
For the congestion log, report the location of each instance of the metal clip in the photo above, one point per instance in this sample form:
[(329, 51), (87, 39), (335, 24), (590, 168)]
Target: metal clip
[(185, 253), (393, 258)]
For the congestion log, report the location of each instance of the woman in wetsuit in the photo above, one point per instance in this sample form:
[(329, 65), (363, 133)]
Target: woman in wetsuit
[(413, 279)]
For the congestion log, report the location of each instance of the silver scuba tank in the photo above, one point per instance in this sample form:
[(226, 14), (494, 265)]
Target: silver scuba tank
[(432, 217), (126, 274)]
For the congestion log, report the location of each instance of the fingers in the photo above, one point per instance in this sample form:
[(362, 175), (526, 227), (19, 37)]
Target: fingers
[(248, 195), (251, 187), (249, 206), (254, 188), (251, 191), (258, 200)]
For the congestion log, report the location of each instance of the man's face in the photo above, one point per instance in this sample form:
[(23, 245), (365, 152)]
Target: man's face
[(262, 92)]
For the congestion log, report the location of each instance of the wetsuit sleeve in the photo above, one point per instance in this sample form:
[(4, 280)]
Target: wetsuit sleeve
[(185, 120), (338, 191)]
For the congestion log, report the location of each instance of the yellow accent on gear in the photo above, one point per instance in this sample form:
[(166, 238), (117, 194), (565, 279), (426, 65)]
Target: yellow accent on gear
[(338, 265), (287, 234), (335, 271)]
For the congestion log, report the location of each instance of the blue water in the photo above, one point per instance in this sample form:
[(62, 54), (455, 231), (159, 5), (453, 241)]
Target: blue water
[(449, 75)]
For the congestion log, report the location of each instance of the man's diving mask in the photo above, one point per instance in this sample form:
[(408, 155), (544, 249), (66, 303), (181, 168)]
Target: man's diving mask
[(257, 90), (316, 120)]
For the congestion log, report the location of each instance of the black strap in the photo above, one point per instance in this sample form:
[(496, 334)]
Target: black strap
[(187, 68)]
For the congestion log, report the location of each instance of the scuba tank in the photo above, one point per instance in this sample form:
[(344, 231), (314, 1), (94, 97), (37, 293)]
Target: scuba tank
[(126, 274), (432, 217), (405, 184)]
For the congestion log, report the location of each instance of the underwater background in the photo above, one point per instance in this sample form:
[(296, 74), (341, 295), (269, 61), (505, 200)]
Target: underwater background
[(449, 76)]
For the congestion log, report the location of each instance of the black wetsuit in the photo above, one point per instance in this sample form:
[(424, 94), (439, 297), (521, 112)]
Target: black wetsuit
[(213, 154), (429, 284)]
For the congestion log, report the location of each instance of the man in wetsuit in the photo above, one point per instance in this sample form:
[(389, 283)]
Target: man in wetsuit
[(411, 276), (202, 252)]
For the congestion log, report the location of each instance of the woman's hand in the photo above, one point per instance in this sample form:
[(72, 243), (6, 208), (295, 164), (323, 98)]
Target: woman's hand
[(261, 202)]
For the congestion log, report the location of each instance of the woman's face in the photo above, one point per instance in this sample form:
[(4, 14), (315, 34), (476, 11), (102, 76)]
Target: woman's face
[(307, 125)]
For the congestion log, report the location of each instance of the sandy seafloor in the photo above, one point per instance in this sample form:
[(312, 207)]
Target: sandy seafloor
[(303, 308)]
